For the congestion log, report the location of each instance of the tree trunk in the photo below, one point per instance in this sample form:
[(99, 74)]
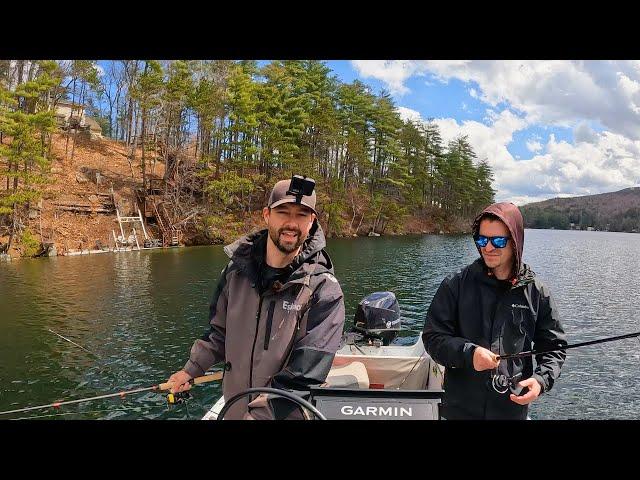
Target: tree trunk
[(73, 101), (218, 151), (352, 219), (110, 119), (9, 164), (144, 160), (117, 120), (132, 144), (20, 73), (359, 224), (198, 146), (75, 134), (167, 167), (13, 227), (130, 119), (375, 223), (32, 70)]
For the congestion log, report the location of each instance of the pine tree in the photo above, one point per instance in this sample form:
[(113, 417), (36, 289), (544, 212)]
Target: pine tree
[(26, 118), (146, 92), (175, 101)]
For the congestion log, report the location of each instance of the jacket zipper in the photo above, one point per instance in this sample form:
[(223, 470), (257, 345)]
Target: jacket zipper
[(254, 343), (289, 349), (255, 338), (501, 296), (267, 334)]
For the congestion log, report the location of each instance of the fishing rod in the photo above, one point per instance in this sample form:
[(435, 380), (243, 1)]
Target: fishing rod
[(583, 344), (74, 343), (163, 386)]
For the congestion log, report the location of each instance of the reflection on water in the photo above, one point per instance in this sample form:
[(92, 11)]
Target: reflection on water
[(139, 312)]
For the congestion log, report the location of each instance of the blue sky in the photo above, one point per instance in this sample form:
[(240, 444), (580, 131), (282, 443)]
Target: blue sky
[(428, 96)]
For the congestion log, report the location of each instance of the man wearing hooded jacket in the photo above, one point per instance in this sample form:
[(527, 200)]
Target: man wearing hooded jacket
[(277, 314), (495, 306)]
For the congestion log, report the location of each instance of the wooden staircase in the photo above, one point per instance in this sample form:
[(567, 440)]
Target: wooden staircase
[(171, 236), (153, 207)]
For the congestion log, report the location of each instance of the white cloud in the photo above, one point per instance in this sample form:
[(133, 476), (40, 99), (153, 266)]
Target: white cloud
[(584, 133), (408, 114), (609, 162), (549, 91), (534, 146), (392, 72), (488, 141), (631, 90)]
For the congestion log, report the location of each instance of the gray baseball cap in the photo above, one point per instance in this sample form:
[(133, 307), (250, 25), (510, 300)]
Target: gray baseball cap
[(279, 196)]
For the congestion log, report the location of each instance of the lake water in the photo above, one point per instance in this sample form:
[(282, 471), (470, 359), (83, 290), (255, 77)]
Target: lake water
[(139, 312)]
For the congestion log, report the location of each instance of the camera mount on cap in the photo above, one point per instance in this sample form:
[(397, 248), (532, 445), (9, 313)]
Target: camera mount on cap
[(301, 186)]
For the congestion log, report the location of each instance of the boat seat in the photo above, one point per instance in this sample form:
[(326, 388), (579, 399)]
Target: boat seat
[(352, 375)]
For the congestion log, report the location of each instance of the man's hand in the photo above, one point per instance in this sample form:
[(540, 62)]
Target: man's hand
[(180, 381), (484, 359), (260, 401), (534, 391)]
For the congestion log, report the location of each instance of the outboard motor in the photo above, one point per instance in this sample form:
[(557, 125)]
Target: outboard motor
[(377, 318)]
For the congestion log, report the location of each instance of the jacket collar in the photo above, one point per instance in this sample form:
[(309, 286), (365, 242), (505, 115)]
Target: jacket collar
[(248, 253)]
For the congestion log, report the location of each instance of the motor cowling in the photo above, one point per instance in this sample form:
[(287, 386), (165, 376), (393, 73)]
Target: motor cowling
[(378, 316)]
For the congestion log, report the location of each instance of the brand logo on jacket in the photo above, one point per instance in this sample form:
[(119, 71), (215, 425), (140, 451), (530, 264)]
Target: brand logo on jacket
[(291, 306), (517, 305)]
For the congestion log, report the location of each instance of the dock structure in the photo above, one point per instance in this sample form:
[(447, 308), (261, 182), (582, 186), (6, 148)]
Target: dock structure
[(149, 207), (134, 235)]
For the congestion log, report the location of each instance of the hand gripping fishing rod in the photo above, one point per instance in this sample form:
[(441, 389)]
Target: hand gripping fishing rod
[(163, 386), (583, 344)]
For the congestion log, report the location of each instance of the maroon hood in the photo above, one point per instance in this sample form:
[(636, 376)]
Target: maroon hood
[(512, 218)]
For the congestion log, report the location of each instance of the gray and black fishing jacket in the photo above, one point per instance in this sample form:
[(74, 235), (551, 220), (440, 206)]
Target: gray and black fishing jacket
[(283, 337), (471, 308)]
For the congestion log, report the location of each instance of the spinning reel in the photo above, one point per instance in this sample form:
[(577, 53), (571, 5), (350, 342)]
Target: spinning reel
[(178, 398), (503, 383)]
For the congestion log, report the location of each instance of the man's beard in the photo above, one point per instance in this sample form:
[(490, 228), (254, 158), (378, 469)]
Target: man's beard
[(288, 247)]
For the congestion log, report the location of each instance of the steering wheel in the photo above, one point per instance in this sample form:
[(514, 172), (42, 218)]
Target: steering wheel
[(274, 391)]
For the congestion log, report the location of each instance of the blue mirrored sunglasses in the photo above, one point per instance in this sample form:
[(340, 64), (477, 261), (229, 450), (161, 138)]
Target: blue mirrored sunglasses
[(498, 242)]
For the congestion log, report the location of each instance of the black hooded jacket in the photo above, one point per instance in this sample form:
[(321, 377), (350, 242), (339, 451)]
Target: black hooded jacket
[(471, 308)]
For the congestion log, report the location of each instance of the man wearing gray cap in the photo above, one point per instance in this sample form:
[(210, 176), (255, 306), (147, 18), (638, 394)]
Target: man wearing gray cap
[(277, 314)]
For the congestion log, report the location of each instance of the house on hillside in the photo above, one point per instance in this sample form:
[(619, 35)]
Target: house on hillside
[(72, 115), (95, 130)]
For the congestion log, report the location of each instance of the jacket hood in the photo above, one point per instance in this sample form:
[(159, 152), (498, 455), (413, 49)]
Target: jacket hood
[(512, 218), (249, 253)]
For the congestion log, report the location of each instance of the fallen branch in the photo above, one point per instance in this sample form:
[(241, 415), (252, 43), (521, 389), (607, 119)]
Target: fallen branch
[(81, 209)]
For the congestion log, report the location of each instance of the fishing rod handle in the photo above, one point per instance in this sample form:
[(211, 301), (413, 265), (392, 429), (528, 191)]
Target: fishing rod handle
[(195, 381), (213, 377)]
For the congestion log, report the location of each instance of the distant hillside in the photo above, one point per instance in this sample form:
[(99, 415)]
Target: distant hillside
[(614, 211)]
